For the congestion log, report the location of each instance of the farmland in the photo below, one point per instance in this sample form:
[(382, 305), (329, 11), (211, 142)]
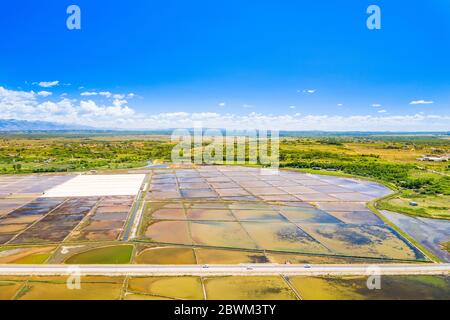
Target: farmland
[(242, 288)]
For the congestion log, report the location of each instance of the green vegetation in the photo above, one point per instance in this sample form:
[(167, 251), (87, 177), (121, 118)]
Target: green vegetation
[(120, 254), (30, 154), (391, 160), (434, 206), (34, 259)]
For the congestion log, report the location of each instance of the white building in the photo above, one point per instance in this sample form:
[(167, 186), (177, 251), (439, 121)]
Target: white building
[(434, 158)]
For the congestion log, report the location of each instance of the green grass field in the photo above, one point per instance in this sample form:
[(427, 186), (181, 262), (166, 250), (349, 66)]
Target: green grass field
[(434, 206), (120, 254)]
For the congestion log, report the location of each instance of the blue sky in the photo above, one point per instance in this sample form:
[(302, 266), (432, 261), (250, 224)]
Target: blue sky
[(244, 61)]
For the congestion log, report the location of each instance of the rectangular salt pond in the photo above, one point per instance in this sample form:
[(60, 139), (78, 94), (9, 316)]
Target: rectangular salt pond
[(99, 185)]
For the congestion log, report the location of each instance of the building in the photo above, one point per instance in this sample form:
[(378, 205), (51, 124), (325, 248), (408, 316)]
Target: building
[(434, 158)]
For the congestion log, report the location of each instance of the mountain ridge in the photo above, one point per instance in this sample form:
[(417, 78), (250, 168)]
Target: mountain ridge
[(27, 125)]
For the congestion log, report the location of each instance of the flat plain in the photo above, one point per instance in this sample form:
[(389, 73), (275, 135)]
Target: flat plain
[(201, 215)]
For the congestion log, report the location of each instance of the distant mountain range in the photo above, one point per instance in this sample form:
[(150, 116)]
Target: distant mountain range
[(23, 125)]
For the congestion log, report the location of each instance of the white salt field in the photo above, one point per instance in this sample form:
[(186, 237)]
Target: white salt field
[(29, 184), (98, 185)]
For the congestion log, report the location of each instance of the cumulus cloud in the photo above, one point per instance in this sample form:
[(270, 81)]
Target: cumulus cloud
[(28, 105), (376, 105), (119, 102), (310, 91), (222, 104), (89, 108), (88, 94), (62, 107), (47, 84), (16, 101), (44, 93), (299, 122), (418, 102), (382, 111), (24, 105), (107, 94)]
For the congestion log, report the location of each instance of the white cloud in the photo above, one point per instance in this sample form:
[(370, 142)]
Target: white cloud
[(382, 111), (47, 84), (119, 102), (376, 105), (49, 107), (292, 107), (90, 108), (247, 106), (16, 101), (297, 122), (340, 104), (106, 94), (119, 96), (44, 93), (222, 104), (310, 91), (24, 105), (418, 102), (88, 94)]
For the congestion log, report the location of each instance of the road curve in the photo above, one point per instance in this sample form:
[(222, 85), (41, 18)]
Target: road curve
[(224, 270)]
